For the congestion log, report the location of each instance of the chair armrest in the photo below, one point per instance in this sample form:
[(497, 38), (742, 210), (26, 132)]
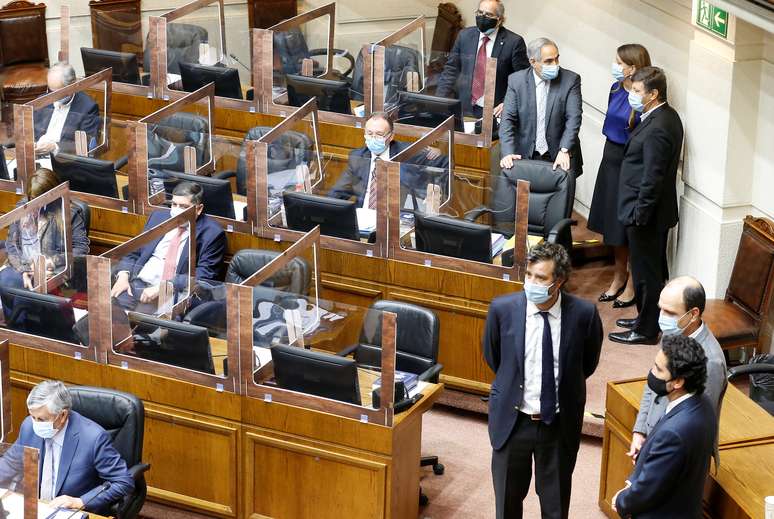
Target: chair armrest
[(138, 470), (475, 213), (337, 53), (120, 163), (431, 374), (224, 175), (145, 79), (349, 350), (561, 233), (749, 369)]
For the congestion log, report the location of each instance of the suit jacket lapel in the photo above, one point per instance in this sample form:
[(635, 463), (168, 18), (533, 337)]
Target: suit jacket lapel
[(532, 119), (553, 93), (498, 43), (642, 125), (566, 325), (520, 320), (68, 451)]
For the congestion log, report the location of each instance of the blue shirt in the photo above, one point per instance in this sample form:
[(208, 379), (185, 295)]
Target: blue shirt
[(616, 127)]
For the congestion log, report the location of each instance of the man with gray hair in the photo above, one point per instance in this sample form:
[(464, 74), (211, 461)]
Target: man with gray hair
[(542, 112), (80, 468), (56, 124)]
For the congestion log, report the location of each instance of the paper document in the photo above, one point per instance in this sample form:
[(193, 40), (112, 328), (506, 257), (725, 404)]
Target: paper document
[(498, 241), (80, 313), (239, 208), (173, 78), (366, 219), (13, 504)]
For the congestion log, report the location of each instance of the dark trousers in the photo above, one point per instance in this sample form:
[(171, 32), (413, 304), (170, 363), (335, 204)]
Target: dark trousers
[(512, 470), (647, 255), (132, 302), (10, 278)]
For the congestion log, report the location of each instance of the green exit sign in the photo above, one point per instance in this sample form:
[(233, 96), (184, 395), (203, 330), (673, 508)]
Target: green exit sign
[(712, 18)]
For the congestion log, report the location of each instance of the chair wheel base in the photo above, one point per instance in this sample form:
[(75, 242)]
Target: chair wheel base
[(438, 469), (423, 500)]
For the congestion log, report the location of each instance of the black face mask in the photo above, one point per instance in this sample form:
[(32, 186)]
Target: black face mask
[(485, 24), (657, 385)]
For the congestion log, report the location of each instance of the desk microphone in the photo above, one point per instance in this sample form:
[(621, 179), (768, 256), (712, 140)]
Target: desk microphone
[(232, 56), (104, 486)]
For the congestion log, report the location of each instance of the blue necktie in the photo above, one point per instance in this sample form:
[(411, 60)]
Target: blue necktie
[(548, 382)]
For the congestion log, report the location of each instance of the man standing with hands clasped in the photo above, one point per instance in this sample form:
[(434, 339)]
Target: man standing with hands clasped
[(542, 345)]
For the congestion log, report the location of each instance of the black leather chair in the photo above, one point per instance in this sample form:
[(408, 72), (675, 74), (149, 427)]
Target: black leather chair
[(3, 165), (416, 348), (122, 415), (183, 41), (398, 62), (761, 372), (295, 278), (168, 138), (85, 211), (551, 196), (290, 50), (288, 151)]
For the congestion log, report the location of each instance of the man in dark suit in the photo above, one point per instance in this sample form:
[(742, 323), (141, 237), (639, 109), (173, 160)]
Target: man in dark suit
[(56, 124), (142, 271), (647, 200), (357, 180), (79, 467), (668, 479), (465, 69), (542, 345), (542, 112)]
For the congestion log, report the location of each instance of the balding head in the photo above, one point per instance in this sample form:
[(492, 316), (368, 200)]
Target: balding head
[(60, 75), (683, 298)]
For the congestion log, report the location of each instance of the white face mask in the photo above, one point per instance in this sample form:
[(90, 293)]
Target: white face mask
[(45, 430), (176, 210)]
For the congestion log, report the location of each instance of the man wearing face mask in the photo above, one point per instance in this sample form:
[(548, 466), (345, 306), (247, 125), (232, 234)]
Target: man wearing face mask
[(542, 112), (143, 270), (542, 345), (465, 69), (56, 124), (647, 197), (358, 180), (682, 304), (79, 465), (668, 478)]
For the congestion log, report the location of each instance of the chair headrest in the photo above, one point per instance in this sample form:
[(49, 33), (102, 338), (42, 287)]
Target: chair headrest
[(293, 278), (417, 328)]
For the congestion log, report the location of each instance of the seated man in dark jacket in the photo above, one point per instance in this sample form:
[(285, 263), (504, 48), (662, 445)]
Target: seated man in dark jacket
[(142, 271), (357, 181)]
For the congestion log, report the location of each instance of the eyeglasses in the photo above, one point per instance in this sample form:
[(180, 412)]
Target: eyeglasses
[(491, 16), (377, 134)]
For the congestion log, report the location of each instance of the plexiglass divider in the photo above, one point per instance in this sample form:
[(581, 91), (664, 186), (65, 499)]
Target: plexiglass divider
[(6, 418), (19, 486), (45, 294), (25, 158), (403, 232), (64, 34), (312, 338)]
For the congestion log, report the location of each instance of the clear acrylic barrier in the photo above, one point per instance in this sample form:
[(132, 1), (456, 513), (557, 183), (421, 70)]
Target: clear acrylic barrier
[(43, 282), (294, 345), (19, 482), (6, 418), (404, 62)]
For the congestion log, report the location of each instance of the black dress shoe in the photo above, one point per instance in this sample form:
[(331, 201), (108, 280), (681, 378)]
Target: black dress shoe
[(623, 304), (605, 297), (626, 323), (632, 337)]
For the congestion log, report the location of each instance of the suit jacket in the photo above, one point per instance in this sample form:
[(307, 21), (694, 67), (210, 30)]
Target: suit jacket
[(210, 247), (353, 182), (579, 348), (564, 111), (647, 192), (88, 460), (51, 235), (668, 479), (83, 115), (457, 75)]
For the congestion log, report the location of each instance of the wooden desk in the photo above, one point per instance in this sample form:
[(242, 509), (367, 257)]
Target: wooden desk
[(743, 425)]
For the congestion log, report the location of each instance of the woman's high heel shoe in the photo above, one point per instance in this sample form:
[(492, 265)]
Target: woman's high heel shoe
[(623, 304), (605, 297)]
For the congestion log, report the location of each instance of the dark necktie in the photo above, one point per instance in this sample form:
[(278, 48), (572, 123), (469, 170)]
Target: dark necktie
[(479, 72), (548, 382)]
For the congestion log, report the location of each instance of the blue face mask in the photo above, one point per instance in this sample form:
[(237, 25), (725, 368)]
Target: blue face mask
[(537, 294), (45, 430), (670, 326), (549, 72), (617, 71), (377, 145), (635, 101)]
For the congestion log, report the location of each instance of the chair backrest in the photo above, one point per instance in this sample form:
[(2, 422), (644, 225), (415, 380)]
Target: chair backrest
[(752, 279), (287, 152), (23, 33), (168, 138), (399, 60), (3, 165), (262, 14), (295, 278), (183, 41), (290, 49), (117, 25), (549, 196), (416, 341), (121, 414), (447, 25), (85, 211)]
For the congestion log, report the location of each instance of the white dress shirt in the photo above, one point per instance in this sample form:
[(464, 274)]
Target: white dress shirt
[(645, 114), (153, 269), (541, 100), (489, 48), (51, 459), (56, 123), (533, 354), (698, 331), (671, 405), (385, 155)]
